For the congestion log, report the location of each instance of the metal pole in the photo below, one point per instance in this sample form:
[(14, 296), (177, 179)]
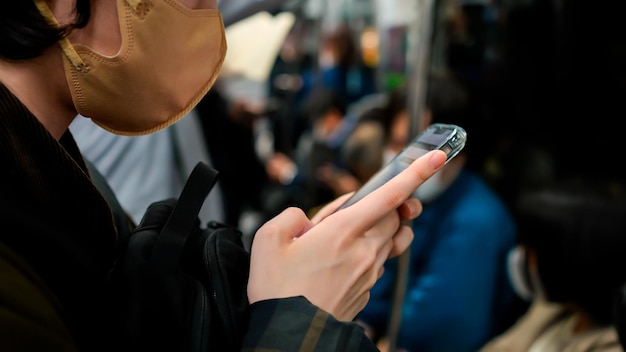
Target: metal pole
[(418, 58), (419, 49)]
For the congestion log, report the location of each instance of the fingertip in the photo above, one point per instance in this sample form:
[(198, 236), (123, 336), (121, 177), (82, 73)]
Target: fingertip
[(381, 271), (401, 241), (437, 159), (410, 209)]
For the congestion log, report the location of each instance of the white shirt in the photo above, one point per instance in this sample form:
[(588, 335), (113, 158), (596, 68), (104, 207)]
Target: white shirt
[(145, 169)]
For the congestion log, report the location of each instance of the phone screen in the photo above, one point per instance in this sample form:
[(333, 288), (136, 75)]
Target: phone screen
[(449, 138)]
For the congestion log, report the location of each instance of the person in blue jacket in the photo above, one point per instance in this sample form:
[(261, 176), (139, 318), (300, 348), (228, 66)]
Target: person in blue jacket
[(339, 68), (456, 289)]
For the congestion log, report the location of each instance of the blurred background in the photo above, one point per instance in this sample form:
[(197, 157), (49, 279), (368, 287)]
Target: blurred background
[(539, 85), (544, 81), (545, 77)]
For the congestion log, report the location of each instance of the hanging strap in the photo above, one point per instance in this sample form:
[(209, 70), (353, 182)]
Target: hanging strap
[(171, 241)]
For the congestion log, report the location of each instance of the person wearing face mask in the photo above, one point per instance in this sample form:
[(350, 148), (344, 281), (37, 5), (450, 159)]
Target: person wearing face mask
[(569, 264), (360, 158), (456, 293), (338, 68), (144, 169), (135, 67)]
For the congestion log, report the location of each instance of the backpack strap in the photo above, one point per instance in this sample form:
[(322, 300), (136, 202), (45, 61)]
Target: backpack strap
[(170, 244)]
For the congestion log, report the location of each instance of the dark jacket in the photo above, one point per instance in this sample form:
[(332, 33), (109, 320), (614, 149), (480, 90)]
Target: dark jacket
[(58, 247)]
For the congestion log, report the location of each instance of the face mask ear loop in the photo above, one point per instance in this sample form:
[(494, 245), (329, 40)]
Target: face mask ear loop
[(65, 44), (519, 278)]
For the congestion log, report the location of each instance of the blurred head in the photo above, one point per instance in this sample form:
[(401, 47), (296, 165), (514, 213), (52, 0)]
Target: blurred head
[(324, 108), (574, 235), (361, 150), (337, 48), (446, 102)]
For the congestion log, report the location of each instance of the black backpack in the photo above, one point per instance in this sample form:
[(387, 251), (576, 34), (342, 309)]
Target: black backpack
[(177, 285)]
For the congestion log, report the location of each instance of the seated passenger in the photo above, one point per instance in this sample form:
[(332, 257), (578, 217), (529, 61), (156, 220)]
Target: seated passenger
[(297, 176), (570, 260), (457, 294)]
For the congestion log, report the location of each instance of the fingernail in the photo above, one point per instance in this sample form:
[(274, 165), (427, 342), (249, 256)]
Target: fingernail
[(437, 159)]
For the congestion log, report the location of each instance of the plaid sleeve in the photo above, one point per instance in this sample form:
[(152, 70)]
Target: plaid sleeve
[(294, 324)]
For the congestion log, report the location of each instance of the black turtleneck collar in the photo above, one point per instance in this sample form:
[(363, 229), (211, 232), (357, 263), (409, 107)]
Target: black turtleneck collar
[(52, 214)]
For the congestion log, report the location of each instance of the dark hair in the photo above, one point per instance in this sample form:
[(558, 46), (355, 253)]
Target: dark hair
[(447, 100), (25, 33), (578, 232), (361, 151), (396, 103), (320, 101), (343, 41)]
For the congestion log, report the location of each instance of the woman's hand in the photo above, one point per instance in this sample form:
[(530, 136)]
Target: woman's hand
[(335, 258)]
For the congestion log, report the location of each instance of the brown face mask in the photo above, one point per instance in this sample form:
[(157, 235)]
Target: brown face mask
[(169, 59)]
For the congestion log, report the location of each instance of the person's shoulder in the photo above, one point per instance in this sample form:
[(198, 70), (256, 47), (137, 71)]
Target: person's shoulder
[(539, 317), (474, 207), (477, 190), (29, 308), (603, 339)]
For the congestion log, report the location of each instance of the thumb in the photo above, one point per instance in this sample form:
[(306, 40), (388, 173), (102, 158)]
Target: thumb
[(286, 226)]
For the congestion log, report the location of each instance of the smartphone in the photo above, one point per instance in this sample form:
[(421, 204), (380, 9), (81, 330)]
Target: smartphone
[(447, 137)]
